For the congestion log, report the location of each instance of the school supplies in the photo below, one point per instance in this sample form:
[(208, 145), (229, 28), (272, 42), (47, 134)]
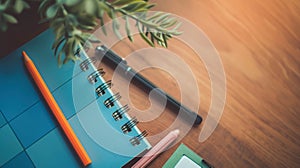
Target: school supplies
[(56, 110), (29, 134), (114, 59)]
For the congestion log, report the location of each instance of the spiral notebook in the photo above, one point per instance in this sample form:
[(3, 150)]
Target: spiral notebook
[(29, 134)]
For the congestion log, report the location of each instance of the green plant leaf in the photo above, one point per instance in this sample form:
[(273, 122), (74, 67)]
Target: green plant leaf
[(133, 6), (67, 50), (57, 22), (152, 39), (128, 29), (19, 6), (57, 44), (144, 36), (9, 18), (43, 6), (75, 32), (141, 10), (59, 59), (147, 40), (51, 11), (71, 2), (60, 31), (123, 2), (60, 1), (4, 6), (100, 16), (91, 37), (85, 27), (169, 23), (59, 55), (90, 6), (116, 26), (168, 36), (72, 20), (154, 16), (156, 37), (165, 40), (177, 26), (115, 21), (87, 20), (149, 6), (103, 6), (162, 17)]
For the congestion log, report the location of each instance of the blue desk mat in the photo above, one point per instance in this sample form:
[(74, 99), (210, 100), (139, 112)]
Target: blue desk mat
[(29, 133)]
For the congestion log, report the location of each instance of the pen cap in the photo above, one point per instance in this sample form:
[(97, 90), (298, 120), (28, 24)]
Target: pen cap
[(104, 53)]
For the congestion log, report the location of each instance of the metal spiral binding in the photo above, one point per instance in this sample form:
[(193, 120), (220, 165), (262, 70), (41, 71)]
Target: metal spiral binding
[(110, 102), (84, 66), (127, 127), (118, 114), (100, 90), (93, 76), (137, 139)]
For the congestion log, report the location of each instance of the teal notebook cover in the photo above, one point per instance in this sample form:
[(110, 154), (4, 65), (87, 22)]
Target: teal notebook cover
[(30, 135)]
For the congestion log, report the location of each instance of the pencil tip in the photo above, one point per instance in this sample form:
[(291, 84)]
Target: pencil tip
[(26, 58)]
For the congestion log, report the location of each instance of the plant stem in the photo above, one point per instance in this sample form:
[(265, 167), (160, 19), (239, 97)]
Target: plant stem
[(149, 25)]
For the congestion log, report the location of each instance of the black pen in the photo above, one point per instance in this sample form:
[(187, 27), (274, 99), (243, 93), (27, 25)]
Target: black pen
[(114, 59)]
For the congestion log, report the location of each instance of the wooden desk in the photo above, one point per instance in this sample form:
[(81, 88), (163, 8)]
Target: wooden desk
[(258, 42)]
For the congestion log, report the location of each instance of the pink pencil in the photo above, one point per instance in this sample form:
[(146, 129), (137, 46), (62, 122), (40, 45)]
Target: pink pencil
[(157, 149)]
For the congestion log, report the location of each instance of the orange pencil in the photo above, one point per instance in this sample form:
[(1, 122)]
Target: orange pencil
[(85, 159)]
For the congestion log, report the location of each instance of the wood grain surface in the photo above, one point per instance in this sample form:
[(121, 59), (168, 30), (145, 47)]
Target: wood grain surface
[(259, 45)]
